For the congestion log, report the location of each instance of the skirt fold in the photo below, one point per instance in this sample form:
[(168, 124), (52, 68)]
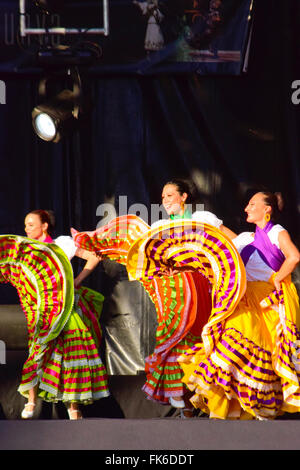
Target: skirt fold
[(72, 370), (253, 370)]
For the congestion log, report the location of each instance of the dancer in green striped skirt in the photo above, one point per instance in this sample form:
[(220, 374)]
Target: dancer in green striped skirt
[(63, 322)]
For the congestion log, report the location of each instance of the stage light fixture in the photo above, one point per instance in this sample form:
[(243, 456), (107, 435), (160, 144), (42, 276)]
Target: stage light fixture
[(58, 115), (44, 125), (54, 118)]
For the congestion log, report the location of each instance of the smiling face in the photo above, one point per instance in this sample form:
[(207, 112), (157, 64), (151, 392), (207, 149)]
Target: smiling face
[(172, 200), (34, 228), (257, 209)]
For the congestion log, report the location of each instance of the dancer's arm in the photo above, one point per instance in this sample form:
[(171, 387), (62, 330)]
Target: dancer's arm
[(91, 262), (292, 258), (230, 234)]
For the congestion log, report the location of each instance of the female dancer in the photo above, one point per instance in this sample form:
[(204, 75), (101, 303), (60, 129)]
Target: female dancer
[(72, 370), (251, 369), (164, 375), (182, 299)]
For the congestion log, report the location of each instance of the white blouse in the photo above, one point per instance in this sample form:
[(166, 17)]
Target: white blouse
[(205, 217), (256, 268), (67, 244)]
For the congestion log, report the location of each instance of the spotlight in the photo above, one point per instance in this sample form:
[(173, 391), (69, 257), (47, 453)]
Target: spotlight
[(54, 118), (57, 116), (44, 125)]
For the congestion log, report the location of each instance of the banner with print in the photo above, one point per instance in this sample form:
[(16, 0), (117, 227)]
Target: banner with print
[(144, 37)]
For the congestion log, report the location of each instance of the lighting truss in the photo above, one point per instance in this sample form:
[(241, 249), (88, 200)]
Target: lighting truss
[(24, 31)]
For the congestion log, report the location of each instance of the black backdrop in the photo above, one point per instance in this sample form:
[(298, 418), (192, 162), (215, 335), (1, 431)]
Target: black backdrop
[(226, 133)]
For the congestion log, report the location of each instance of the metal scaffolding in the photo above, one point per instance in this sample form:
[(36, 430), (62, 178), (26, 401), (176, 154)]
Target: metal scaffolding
[(104, 30)]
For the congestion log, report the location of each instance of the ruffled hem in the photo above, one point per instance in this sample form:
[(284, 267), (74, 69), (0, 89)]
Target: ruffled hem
[(72, 370), (161, 395), (83, 399), (164, 374), (238, 377), (164, 381)]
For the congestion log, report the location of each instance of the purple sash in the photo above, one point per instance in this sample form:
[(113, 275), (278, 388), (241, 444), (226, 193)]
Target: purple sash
[(268, 252)]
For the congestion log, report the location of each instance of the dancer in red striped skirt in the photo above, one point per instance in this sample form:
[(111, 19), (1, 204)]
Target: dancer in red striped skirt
[(182, 299), (183, 304)]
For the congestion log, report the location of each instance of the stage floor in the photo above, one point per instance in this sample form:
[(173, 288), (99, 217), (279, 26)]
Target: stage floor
[(155, 434)]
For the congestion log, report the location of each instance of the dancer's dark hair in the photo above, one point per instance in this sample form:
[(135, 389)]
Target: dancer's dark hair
[(275, 201), (46, 216), (183, 186)]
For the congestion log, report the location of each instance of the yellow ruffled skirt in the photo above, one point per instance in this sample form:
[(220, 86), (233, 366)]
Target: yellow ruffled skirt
[(253, 369)]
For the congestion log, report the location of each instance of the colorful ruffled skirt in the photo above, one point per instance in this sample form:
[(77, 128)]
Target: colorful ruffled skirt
[(71, 369), (64, 332), (183, 305), (253, 369), (209, 284)]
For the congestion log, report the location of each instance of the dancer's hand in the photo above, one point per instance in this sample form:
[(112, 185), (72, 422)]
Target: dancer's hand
[(277, 284), (263, 303), (77, 282), (99, 255)]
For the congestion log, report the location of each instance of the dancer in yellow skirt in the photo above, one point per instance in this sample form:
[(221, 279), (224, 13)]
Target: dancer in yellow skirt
[(251, 367)]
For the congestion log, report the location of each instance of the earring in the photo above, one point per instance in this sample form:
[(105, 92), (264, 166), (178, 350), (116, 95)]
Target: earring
[(267, 217)]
